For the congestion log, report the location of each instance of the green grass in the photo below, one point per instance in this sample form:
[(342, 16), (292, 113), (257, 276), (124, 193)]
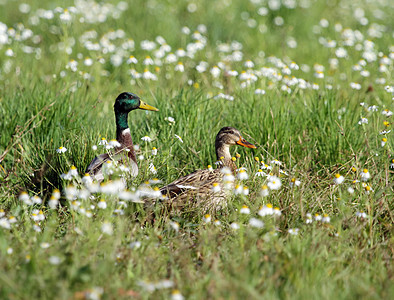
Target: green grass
[(313, 132)]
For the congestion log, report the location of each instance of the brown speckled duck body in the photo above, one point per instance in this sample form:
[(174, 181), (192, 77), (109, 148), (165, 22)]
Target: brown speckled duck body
[(198, 188)]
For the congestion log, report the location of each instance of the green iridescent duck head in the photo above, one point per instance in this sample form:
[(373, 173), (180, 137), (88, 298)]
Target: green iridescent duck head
[(127, 102)]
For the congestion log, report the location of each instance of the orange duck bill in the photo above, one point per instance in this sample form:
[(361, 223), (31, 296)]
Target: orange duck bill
[(245, 143)]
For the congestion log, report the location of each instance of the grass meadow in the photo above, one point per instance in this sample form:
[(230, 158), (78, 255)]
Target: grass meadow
[(308, 82)]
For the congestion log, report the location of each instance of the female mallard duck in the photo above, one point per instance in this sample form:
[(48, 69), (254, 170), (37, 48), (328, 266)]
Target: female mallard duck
[(124, 103), (205, 187)]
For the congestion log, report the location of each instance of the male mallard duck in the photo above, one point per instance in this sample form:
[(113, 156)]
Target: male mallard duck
[(124, 103), (205, 186)]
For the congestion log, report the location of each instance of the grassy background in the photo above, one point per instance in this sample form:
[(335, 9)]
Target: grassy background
[(306, 130)]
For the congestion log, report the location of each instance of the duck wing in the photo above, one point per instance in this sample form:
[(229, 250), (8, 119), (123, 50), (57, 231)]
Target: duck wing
[(198, 182), (95, 167)]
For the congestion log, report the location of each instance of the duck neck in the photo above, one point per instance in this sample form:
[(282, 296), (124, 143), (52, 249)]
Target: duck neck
[(223, 154), (121, 121), (123, 135)]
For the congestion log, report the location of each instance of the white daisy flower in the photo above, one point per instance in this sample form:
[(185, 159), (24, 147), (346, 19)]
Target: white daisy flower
[(365, 175), (54, 260), (4, 223), (234, 226), (244, 210), (24, 197), (102, 204), (178, 137), (107, 228), (274, 183), (277, 212), (361, 215), (363, 121), (318, 217), (114, 143), (383, 142), (176, 295), (294, 182), (103, 142), (293, 231), (217, 222), (264, 191), (61, 150), (53, 202), (338, 178), (309, 219), (326, 219), (152, 168), (242, 175), (256, 223), (174, 225), (207, 218)]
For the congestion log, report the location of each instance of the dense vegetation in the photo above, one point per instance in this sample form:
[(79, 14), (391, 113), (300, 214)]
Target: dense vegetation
[(309, 82)]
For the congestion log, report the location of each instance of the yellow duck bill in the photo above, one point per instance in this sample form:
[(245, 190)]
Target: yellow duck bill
[(146, 106)]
